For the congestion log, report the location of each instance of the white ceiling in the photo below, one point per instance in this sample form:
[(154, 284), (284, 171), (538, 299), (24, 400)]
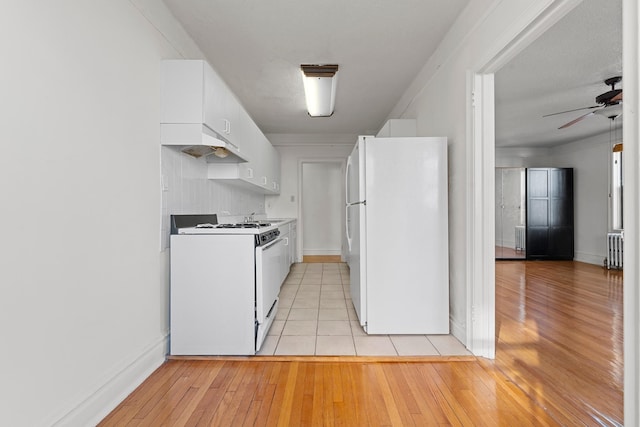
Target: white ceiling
[(562, 70), (257, 47)]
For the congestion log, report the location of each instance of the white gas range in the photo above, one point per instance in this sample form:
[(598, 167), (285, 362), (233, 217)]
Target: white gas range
[(225, 280)]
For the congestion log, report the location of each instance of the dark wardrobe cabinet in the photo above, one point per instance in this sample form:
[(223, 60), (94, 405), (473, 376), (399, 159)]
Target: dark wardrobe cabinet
[(549, 213)]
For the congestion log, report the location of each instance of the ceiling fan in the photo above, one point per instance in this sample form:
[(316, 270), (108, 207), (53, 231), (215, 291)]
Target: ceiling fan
[(609, 104)]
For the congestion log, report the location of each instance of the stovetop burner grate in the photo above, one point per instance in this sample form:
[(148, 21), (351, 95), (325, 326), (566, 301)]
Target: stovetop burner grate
[(244, 225)]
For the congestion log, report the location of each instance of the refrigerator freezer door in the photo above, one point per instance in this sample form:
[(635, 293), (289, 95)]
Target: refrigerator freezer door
[(354, 186), (356, 219), (406, 263), (357, 256), (351, 182)]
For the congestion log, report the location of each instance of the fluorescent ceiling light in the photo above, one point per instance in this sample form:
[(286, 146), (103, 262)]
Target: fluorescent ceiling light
[(320, 88)]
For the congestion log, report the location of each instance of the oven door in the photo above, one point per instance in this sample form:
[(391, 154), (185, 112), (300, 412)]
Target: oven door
[(268, 261)]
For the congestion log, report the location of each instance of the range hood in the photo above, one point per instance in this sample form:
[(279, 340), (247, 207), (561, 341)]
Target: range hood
[(198, 140)]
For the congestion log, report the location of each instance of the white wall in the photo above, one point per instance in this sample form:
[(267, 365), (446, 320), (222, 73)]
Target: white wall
[(286, 204), (439, 98), (186, 190), (486, 34), (84, 309), (322, 207), (589, 159)]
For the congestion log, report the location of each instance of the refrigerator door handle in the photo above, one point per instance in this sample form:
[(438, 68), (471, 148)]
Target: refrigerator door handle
[(346, 222), (346, 225), (347, 204), (346, 181)]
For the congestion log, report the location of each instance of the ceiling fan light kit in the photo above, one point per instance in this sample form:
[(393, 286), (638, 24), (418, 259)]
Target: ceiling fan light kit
[(610, 111), (320, 88)]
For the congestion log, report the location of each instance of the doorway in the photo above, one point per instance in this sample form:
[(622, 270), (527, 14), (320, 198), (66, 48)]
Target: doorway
[(510, 213), (484, 164), (322, 200)]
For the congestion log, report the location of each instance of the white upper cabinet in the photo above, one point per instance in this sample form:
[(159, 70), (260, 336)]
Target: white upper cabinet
[(273, 169), (221, 110), (201, 114), (182, 92), (199, 111), (261, 174)]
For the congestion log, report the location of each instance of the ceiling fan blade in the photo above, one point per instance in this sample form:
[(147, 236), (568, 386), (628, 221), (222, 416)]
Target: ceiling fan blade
[(617, 98), (573, 122), (570, 111)]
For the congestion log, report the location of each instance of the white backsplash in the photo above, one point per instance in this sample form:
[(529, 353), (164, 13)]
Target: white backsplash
[(186, 190)]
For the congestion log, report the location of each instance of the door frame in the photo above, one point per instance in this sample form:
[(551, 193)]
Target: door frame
[(480, 139), (300, 229), (631, 209), (481, 196)]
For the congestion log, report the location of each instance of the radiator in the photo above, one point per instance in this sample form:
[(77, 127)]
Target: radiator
[(520, 237), (615, 244)]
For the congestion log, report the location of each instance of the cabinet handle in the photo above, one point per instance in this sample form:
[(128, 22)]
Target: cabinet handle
[(227, 126), (249, 173), (264, 180), (286, 241)]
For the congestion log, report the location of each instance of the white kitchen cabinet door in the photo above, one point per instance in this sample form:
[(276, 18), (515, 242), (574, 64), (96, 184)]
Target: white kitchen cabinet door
[(261, 163), (267, 166), (182, 91), (192, 93), (221, 109), (246, 133), (273, 168), (239, 174)]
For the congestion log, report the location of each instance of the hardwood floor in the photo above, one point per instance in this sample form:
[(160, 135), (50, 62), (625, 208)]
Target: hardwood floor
[(503, 252), (559, 362), (283, 393), (560, 337)]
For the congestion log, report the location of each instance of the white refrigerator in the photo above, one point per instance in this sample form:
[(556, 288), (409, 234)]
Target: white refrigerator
[(397, 234)]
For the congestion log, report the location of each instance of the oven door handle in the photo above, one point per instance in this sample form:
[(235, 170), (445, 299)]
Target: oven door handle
[(268, 245)]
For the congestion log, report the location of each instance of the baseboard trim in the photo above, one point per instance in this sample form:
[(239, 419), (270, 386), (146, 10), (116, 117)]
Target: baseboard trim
[(589, 258), (459, 332), (321, 258), (97, 405), (308, 252)]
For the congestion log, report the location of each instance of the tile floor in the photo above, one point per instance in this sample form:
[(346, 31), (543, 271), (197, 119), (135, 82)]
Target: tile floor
[(316, 317)]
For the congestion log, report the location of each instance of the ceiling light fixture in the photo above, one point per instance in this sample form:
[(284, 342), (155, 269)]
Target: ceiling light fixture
[(220, 152), (320, 88), (612, 111)]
